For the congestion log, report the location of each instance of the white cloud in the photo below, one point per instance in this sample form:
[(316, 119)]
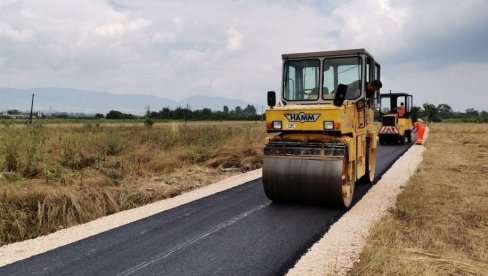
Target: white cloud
[(234, 39), (163, 37), (178, 22), (373, 24), (233, 48), (111, 30), (9, 33), (118, 29), (461, 85)]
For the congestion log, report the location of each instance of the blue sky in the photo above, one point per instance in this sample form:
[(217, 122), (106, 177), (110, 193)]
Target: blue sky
[(435, 50)]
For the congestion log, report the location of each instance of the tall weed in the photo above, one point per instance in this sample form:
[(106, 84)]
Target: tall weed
[(23, 151)]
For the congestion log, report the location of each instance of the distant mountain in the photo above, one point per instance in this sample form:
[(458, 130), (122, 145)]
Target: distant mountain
[(82, 101), (214, 103)]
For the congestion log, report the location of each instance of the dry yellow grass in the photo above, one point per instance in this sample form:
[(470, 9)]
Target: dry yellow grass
[(440, 223), (55, 177)]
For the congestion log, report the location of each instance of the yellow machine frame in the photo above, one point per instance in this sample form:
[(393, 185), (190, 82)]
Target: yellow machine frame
[(322, 123)]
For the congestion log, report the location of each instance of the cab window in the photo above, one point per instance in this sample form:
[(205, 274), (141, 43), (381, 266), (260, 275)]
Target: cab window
[(301, 80), (342, 71)]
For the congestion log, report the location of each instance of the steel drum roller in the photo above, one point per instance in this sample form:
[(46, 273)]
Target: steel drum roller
[(294, 179)]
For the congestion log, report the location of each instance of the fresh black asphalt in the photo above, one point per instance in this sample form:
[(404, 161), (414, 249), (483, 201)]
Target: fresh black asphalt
[(235, 232)]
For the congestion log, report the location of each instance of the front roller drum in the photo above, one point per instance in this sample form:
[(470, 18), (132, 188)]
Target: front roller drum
[(322, 181)]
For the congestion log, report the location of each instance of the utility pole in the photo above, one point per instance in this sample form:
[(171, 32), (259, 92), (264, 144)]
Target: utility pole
[(262, 113), (32, 106), (186, 112)]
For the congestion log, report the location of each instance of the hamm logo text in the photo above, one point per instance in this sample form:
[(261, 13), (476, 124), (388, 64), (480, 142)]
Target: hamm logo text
[(302, 117)]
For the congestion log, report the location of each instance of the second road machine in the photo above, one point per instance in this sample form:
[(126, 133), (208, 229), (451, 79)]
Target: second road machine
[(396, 121)]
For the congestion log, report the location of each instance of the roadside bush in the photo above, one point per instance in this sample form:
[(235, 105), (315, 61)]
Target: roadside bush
[(24, 151), (148, 122), (114, 146)]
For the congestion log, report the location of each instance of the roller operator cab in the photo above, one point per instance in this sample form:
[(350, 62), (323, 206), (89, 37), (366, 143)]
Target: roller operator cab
[(322, 138), (396, 121)]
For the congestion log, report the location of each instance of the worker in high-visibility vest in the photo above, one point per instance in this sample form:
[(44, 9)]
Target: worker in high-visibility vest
[(419, 128), (401, 110)]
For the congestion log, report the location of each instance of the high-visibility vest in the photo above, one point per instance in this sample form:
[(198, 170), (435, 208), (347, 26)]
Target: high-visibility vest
[(419, 126), (401, 111), (420, 132)]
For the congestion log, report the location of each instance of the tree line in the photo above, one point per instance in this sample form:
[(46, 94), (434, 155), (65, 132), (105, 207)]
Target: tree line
[(239, 113), (444, 112), (429, 112)]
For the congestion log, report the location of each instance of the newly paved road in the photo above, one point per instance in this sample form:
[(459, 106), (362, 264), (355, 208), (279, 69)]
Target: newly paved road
[(236, 232)]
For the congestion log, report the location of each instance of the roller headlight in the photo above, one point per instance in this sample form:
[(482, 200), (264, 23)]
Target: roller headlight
[(277, 125), (329, 125)]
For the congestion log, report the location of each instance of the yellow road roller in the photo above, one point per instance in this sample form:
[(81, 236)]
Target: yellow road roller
[(322, 138), (396, 122)]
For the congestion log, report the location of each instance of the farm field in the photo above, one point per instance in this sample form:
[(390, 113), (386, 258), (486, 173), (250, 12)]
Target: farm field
[(440, 223), (53, 176)]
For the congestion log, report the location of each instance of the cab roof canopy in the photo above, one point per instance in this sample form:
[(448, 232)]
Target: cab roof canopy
[(350, 52), (387, 95)]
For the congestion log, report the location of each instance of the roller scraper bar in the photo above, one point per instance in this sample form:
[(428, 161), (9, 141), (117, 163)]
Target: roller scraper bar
[(305, 149)]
